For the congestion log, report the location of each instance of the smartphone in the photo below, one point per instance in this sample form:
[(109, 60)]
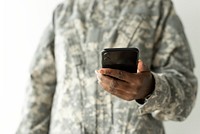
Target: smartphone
[(125, 59)]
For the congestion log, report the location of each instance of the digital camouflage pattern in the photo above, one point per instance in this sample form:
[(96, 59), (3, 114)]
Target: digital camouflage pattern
[(63, 96)]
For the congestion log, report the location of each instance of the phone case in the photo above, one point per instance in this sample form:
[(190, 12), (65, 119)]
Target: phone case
[(125, 59)]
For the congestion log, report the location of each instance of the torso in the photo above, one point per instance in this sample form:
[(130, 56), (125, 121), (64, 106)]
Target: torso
[(80, 106)]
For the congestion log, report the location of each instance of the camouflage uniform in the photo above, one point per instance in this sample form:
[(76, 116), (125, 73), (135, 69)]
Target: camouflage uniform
[(63, 96)]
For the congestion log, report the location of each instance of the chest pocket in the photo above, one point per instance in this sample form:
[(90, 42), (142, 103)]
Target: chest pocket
[(123, 31), (78, 59), (74, 47)]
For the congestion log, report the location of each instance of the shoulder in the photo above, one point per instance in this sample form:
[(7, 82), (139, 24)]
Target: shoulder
[(152, 7), (64, 8)]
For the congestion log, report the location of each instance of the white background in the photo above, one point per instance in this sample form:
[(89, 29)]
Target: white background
[(22, 24)]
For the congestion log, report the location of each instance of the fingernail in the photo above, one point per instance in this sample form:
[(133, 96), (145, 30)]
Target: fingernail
[(98, 78), (98, 75), (96, 71), (101, 71)]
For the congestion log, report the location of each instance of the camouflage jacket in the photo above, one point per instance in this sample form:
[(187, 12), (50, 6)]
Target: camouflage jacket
[(63, 95)]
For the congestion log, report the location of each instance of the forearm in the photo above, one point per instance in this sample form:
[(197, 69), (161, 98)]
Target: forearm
[(173, 97)]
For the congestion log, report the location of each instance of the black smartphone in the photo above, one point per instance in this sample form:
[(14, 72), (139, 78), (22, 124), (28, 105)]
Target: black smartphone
[(125, 59)]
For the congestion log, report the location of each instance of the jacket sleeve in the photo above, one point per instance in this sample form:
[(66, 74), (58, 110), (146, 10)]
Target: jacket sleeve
[(172, 67), (41, 88)]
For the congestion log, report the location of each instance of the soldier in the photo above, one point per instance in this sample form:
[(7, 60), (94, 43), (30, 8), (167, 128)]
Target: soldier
[(65, 97)]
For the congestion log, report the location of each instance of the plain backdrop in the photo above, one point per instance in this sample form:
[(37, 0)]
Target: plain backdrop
[(22, 24)]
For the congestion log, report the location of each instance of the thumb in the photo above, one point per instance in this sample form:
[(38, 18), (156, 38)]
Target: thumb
[(142, 67)]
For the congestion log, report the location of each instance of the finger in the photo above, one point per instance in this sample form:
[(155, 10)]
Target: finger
[(119, 93), (142, 67), (119, 74), (114, 83)]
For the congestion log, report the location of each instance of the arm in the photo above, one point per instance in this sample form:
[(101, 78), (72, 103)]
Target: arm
[(172, 68), (171, 81), (41, 88)]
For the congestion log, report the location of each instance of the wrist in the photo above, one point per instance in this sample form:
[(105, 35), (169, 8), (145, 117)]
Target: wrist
[(150, 91)]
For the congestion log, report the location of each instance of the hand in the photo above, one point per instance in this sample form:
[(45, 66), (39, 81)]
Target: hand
[(125, 85)]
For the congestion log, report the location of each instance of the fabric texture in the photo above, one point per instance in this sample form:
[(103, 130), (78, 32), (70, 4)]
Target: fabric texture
[(63, 95)]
